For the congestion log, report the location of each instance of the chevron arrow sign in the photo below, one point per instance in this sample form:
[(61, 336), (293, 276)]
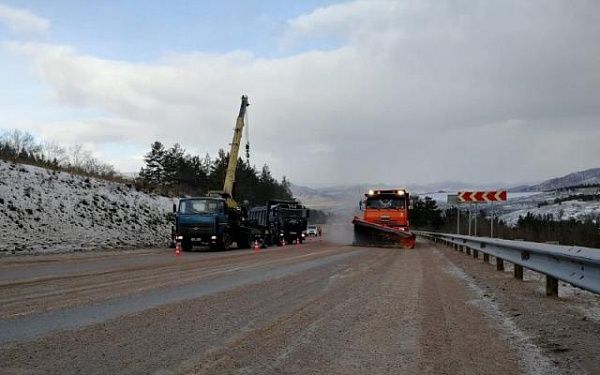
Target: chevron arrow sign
[(482, 196)]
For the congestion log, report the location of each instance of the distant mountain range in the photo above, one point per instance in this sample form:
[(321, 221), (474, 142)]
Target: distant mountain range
[(587, 177), (345, 197)]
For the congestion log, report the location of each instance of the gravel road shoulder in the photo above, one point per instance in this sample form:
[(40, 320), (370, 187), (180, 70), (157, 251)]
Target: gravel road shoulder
[(564, 330)]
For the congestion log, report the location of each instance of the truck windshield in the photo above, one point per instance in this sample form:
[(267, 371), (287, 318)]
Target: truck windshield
[(200, 206), (386, 202)]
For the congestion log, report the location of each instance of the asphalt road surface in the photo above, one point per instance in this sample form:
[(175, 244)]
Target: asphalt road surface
[(312, 308)]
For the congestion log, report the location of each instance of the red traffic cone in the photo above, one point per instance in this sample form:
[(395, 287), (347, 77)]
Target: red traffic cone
[(177, 249), (256, 246)]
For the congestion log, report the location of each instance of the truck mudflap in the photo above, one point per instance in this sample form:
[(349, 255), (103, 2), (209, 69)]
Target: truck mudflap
[(372, 234)]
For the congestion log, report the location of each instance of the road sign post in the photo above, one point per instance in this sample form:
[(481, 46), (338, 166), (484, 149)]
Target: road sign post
[(481, 197), (492, 222), (453, 200), (457, 219), (470, 217), (475, 218)]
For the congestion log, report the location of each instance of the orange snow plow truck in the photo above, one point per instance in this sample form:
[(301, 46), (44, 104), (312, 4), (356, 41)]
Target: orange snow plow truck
[(385, 220)]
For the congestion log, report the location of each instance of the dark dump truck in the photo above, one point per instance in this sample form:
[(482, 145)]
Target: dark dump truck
[(279, 221)]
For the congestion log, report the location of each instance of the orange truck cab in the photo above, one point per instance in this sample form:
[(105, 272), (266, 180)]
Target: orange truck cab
[(387, 207)]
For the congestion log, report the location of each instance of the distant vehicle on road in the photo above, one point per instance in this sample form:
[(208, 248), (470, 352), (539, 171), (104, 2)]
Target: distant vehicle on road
[(311, 230)]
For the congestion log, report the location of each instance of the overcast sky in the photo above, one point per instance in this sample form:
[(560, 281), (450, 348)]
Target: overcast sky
[(341, 92)]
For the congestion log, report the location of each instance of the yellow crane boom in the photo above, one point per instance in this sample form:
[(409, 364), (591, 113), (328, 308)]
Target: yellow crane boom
[(233, 153)]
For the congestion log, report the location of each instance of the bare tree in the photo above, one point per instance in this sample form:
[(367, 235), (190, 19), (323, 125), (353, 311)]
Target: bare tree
[(78, 157), (20, 141), (54, 153)]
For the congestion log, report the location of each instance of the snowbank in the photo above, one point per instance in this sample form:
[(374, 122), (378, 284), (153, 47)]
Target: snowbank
[(46, 211)]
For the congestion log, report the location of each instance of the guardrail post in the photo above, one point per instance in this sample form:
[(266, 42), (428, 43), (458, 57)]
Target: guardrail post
[(551, 286), (499, 264), (475, 253), (468, 250), (486, 258), (518, 270)]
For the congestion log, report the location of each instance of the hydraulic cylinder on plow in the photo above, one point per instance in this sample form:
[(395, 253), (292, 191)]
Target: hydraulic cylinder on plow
[(385, 220)]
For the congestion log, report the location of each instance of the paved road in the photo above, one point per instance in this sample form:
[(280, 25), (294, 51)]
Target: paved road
[(314, 308)]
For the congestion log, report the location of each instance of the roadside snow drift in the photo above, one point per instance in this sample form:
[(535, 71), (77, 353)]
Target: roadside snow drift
[(44, 211)]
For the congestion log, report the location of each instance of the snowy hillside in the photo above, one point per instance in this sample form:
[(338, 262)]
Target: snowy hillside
[(544, 204), (42, 211), (586, 177)]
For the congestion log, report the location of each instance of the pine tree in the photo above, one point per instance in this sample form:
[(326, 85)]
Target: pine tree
[(154, 173), (174, 162)]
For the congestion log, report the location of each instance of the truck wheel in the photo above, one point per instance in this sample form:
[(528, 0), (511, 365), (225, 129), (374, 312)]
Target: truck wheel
[(224, 243), (243, 242), (186, 244)]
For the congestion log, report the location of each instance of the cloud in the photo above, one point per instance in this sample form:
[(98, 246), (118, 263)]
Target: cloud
[(413, 92), (22, 21)]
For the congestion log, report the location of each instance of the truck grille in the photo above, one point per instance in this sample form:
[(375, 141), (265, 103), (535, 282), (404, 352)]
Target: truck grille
[(197, 228)]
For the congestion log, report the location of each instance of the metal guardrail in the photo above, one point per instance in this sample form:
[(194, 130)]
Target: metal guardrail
[(579, 266)]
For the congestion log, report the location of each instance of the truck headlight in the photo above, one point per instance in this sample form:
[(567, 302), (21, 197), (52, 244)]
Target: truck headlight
[(213, 237), (179, 237), (303, 234)]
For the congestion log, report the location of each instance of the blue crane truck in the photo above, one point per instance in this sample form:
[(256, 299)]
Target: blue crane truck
[(208, 221), (216, 220)]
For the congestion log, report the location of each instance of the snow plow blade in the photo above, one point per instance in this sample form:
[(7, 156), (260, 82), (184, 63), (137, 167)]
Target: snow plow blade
[(371, 234)]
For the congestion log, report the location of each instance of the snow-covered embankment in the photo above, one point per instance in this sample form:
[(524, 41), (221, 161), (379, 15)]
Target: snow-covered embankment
[(45, 211)]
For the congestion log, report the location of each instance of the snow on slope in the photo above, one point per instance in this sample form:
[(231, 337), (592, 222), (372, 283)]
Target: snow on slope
[(577, 210), (586, 177), (44, 211)]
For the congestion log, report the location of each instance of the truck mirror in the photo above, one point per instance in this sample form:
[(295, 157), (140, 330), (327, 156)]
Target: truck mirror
[(360, 205), (174, 207), (307, 213)]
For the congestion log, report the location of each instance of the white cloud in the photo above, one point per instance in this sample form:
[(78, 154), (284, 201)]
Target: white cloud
[(22, 21), (416, 92)]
